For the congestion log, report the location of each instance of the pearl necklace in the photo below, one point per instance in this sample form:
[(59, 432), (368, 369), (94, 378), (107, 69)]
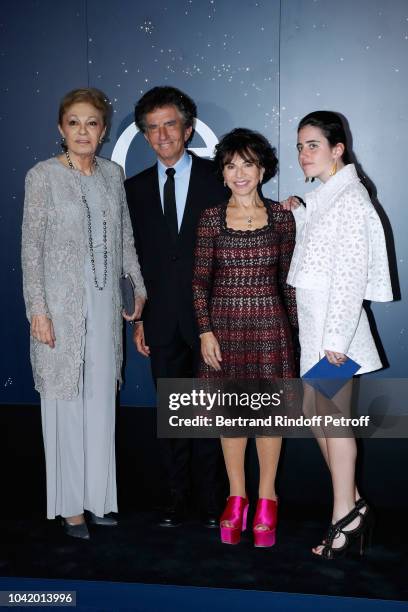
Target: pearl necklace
[(90, 238)]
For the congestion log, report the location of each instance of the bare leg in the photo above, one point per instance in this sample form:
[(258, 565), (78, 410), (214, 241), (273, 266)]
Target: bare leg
[(323, 445), (78, 519), (268, 455), (341, 460), (323, 441), (311, 408), (234, 457), (315, 404)]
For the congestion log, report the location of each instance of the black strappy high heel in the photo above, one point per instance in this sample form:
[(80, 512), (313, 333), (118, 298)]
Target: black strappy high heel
[(360, 533), (361, 504)]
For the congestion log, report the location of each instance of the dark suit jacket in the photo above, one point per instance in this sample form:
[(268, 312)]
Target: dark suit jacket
[(166, 268)]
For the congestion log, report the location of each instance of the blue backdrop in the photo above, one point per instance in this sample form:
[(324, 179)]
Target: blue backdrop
[(257, 64)]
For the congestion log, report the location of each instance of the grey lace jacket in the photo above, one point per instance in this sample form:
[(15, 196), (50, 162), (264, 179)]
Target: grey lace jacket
[(54, 248)]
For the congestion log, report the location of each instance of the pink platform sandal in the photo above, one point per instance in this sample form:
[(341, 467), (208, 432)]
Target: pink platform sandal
[(266, 515), (235, 513)]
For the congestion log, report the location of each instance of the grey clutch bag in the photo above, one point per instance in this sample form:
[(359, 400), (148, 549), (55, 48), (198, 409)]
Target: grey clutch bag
[(127, 289)]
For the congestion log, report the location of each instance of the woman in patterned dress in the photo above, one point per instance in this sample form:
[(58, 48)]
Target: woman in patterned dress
[(245, 309), (340, 259)]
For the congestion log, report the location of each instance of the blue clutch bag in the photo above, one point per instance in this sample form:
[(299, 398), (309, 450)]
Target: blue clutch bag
[(328, 378)]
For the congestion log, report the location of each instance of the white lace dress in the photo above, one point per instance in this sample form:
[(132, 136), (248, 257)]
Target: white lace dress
[(340, 260)]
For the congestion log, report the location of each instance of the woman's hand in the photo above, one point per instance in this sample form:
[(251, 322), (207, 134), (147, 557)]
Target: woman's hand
[(210, 350), (334, 358), (139, 340), (139, 304), (291, 203), (42, 330)]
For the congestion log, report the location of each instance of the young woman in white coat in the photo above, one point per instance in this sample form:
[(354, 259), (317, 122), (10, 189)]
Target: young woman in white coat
[(340, 259)]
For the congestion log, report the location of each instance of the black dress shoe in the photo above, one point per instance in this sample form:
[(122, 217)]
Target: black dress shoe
[(173, 515), (210, 520), (102, 521), (79, 531)]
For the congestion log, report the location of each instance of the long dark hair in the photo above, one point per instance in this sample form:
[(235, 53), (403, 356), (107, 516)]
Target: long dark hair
[(332, 127)]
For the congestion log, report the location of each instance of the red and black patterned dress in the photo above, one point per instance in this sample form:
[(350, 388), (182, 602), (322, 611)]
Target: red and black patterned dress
[(241, 295)]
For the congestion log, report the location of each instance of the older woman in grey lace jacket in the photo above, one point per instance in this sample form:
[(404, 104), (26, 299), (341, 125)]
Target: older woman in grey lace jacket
[(77, 241)]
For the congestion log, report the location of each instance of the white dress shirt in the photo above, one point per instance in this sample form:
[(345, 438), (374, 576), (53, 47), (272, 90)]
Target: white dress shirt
[(181, 183)]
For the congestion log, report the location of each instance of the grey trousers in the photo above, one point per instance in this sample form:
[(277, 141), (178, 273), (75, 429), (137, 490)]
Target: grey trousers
[(79, 435)]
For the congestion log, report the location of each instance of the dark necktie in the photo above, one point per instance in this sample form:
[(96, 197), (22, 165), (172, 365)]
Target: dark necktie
[(169, 204)]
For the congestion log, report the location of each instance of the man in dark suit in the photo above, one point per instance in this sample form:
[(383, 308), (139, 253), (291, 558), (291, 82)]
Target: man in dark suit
[(165, 203)]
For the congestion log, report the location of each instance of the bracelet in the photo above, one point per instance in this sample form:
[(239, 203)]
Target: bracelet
[(136, 321)]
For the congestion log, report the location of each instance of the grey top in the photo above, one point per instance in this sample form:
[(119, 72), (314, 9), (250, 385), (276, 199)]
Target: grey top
[(54, 248), (96, 203)]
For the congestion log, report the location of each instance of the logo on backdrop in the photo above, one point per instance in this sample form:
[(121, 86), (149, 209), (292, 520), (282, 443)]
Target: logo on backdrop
[(121, 149)]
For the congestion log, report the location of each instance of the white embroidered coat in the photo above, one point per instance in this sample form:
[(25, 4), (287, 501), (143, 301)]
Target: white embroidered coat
[(340, 259)]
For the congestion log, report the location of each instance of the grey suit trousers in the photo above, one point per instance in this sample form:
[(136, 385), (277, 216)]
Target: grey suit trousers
[(79, 435)]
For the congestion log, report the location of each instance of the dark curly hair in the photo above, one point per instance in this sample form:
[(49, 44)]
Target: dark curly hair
[(331, 125), (251, 146), (165, 96)]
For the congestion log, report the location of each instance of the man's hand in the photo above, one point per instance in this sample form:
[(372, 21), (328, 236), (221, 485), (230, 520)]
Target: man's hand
[(139, 340), (43, 330)]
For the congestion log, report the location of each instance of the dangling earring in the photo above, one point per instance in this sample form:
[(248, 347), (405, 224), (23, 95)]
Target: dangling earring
[(101, 140), (63, 143), (334, 169), (307, 179)]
